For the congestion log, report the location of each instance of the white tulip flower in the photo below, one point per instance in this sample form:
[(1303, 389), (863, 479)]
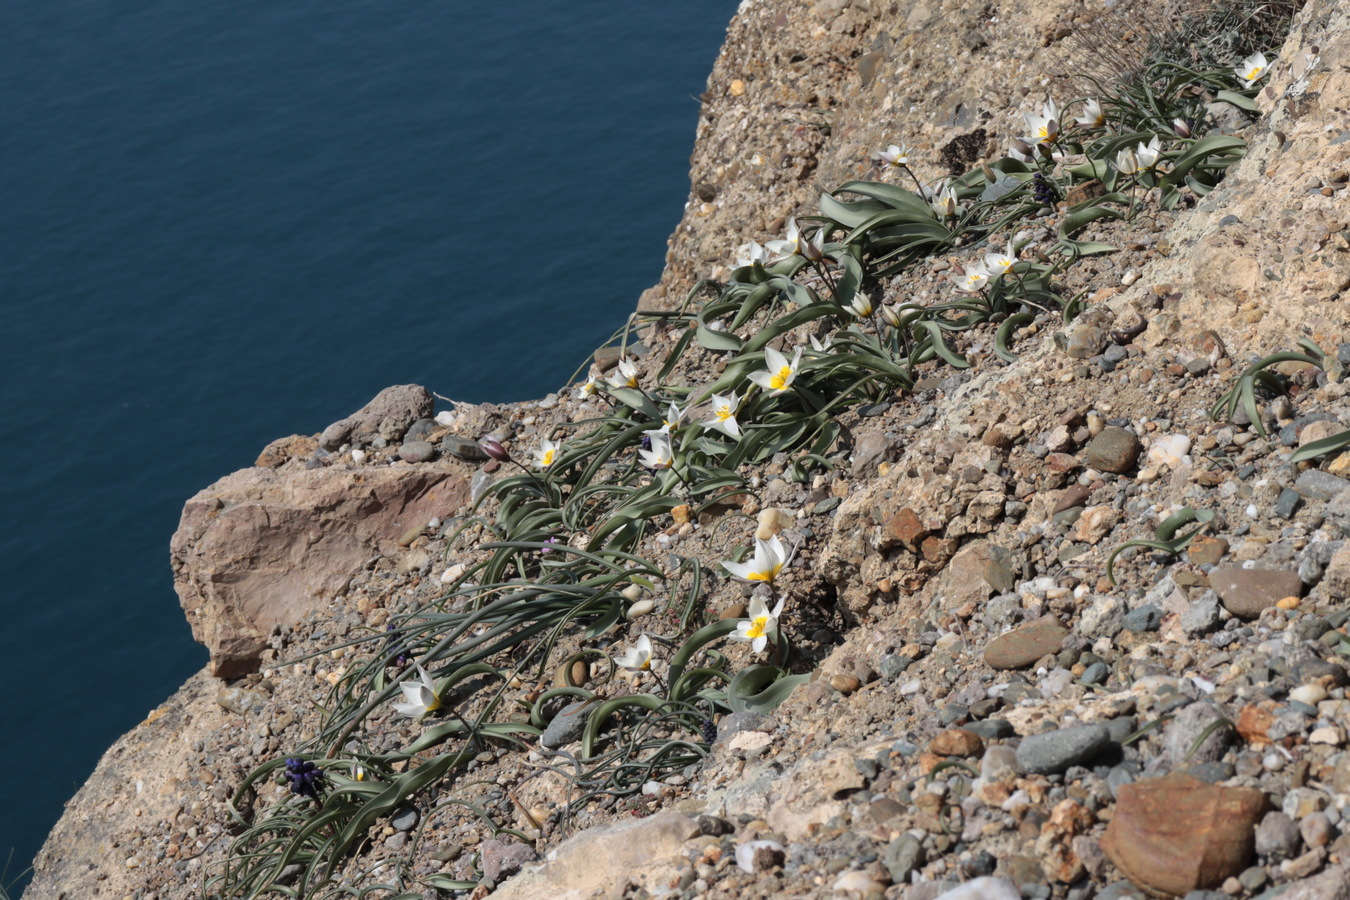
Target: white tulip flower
[(638, 658), (770, 557), (1253, 68), (421, 696), (1043, 129), (972, 280), (860, 305), (627, 377), (761, 623), (724, 408), (547, 452), (660, 456), (895, 157), (780, 373), (1092, 116)]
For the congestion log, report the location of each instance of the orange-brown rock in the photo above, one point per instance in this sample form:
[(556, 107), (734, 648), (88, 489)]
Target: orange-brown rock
[(957, 742), (1054, 846), (906, 528), (1254, 720), (1177, 834)]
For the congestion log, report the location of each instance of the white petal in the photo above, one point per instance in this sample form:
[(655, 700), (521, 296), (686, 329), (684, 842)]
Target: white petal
[(740, 570)]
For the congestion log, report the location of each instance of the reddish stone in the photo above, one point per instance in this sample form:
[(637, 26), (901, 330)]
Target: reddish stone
[(1061, 462), (1174, 835), (1025, 644), (906, 528)]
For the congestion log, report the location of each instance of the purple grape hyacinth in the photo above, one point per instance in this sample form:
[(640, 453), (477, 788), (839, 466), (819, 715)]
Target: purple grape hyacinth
[(306, 779)]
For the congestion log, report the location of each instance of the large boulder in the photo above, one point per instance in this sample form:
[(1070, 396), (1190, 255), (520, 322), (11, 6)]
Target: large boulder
[(389, 415), (263, 547)]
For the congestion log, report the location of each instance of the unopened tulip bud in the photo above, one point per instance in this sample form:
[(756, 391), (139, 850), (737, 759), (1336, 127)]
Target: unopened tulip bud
[(891, 316), (1181, 127), (493, 448)]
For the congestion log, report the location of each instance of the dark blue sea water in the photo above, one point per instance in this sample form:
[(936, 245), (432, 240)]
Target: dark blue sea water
[(221, 223)]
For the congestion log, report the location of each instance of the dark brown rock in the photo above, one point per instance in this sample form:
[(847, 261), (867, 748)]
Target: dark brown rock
[(1114, 450), (1246, 592), (1025, 644), (1177, 834)]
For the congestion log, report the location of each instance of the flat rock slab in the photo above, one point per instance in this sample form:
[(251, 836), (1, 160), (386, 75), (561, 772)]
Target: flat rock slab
[(1055, 751), (1025, 644), (1247, 592), (599, 860), (1177, 834)]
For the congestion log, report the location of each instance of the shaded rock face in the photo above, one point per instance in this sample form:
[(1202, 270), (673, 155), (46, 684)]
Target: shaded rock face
[(262, 548)]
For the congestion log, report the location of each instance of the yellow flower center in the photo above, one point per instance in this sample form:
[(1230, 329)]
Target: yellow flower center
[(434, 705), (781, 378), (1254, 72), (547, 459), (724, 412), (758, 626)]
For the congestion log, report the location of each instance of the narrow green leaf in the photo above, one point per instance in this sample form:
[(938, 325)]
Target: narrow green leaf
[(1321, 447), (1241, 101)]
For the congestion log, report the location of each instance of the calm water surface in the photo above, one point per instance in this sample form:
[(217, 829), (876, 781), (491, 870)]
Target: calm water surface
[(227, 222)]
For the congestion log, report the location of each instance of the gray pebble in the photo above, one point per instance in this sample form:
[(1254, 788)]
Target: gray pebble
[(566, 726), (1288, 503), (1277, 837), (1055, 751), (1202, 614), (420, 430), (738, 722), (1145, 618), (891, 665), (991, 729), (404, 820), (902, 856), (1095, 673), (1187, 728), (416, 451), (1253, 879), (1121, 727)]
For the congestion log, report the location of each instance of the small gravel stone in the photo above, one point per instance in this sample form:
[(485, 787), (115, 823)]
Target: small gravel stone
[(416, 451), (1316, 829), (902, 856), (1095, 673), (1288, 503)]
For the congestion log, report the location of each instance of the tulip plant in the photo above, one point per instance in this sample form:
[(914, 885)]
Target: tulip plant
[(804, 327)]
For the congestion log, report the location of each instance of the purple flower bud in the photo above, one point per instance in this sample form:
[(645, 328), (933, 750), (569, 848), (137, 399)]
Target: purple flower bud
[(1181, 127), (493, 448)]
